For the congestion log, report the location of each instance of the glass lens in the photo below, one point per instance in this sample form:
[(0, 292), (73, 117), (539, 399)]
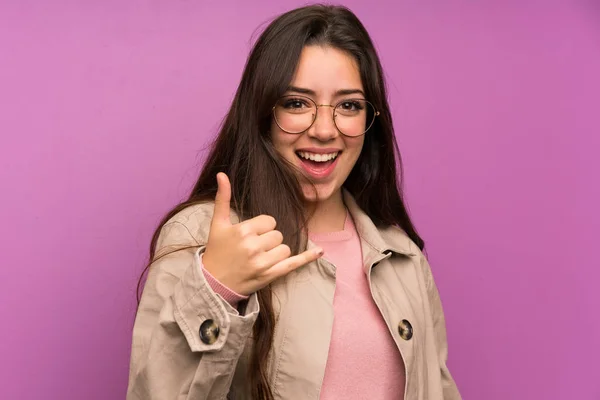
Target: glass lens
[(295, 114), (354, 117)]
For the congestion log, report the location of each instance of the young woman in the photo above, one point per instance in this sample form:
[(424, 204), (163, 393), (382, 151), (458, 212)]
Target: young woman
[(293, 270)]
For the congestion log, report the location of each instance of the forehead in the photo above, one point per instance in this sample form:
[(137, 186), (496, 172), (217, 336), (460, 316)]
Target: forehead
[(326, 70)]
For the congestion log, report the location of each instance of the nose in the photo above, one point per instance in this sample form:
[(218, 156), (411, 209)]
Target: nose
[(324, 128)]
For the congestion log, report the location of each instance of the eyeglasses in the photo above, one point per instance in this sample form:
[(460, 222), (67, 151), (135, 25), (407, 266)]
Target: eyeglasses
[(296, 114)]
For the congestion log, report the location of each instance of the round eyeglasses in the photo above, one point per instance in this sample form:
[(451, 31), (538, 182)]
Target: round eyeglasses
[(296, 114)]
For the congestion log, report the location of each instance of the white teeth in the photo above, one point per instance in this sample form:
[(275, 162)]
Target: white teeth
[(318, 157)]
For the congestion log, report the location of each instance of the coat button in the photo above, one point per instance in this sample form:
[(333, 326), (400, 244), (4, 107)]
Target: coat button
[(405, 330), (209, 332)]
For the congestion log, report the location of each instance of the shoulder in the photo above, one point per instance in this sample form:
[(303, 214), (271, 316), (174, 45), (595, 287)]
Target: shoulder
[(189, 226), (399, 241), (194, 215), (408, 248)]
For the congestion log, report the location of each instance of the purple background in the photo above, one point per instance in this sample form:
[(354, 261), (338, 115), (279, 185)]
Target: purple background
[(106, 107)]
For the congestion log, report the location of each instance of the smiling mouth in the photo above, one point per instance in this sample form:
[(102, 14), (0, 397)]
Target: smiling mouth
[(318, 166)]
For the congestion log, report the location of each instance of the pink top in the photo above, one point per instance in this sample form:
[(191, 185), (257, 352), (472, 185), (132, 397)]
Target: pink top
[(363, 360)]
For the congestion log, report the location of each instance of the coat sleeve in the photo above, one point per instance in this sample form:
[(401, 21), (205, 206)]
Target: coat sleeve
[(169, 359), (450, 390)]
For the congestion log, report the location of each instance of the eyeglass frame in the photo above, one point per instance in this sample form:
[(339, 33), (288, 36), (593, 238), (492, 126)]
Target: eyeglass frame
[(333, 115)]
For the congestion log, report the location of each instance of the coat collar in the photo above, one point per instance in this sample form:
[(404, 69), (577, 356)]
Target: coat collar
[(380, 240)]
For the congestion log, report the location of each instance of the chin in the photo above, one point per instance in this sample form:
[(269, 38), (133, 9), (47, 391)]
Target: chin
[(321, 194)]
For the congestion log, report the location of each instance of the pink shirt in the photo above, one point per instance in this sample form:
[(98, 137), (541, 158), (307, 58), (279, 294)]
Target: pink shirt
[(363, 360)]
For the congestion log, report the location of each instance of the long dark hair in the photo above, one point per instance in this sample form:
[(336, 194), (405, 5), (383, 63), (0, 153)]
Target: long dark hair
[(243, 148)]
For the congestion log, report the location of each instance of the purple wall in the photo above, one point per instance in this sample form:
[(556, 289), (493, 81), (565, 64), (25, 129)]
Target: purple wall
[(105, 109)]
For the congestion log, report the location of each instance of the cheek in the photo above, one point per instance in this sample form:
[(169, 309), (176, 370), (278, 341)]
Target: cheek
[(356, 148), (281, 141), (276, 135)]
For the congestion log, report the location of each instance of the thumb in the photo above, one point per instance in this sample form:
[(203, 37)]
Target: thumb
[(222, 200)]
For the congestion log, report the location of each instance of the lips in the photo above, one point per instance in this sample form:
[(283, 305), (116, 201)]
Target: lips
[(320, 165)]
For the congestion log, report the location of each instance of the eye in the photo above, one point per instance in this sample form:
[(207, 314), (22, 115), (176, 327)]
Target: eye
[(351, 105), (294, 104)]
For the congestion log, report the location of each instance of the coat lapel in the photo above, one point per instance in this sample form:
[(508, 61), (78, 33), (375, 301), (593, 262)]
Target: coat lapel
[(391, 262)]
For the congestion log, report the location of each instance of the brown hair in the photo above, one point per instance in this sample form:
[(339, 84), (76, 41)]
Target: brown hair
[(243, 148)]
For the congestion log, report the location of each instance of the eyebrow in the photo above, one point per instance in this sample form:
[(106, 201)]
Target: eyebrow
[(310, 92)]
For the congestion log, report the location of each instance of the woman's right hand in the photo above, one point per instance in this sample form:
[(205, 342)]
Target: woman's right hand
[(247, 256)]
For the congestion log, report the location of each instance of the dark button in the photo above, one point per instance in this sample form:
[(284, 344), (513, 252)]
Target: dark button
[(405, 330), (209, 332)]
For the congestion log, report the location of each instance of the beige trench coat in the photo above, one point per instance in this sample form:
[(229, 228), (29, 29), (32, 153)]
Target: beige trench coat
[(189, 343)]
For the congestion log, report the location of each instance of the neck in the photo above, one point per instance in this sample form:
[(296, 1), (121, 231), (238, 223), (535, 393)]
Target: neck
[(328, 215)]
